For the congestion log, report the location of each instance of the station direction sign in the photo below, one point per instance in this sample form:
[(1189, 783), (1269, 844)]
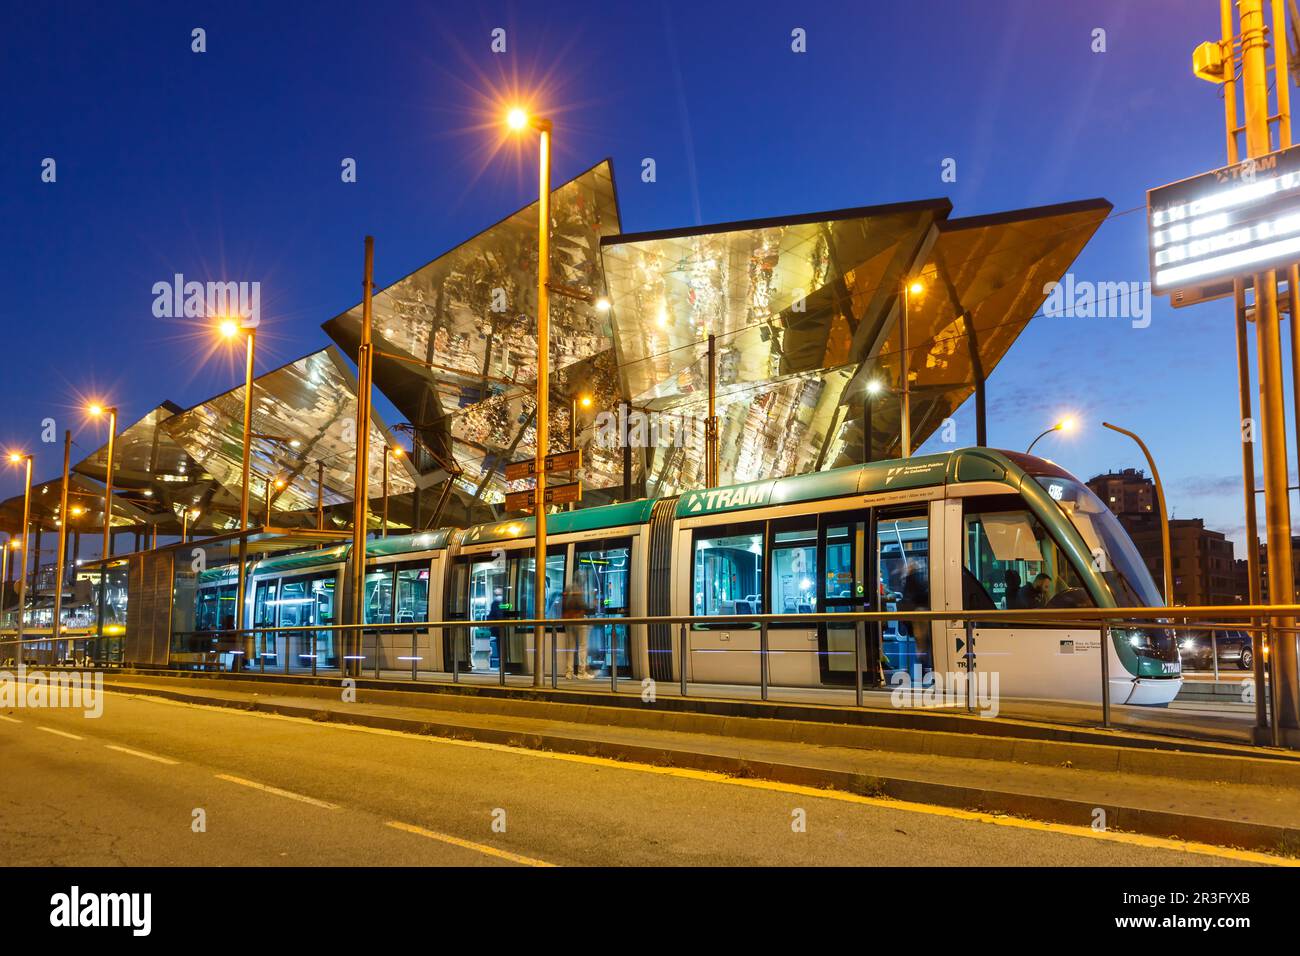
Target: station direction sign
[(1230, 223), (560, 461), (555, 495)]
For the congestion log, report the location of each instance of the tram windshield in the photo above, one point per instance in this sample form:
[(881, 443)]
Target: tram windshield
[(1114, 554)]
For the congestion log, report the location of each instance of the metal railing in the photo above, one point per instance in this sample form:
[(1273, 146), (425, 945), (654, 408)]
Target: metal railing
[(339, 649)]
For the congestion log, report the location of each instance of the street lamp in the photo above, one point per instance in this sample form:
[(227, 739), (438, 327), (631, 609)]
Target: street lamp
[(230, 330), (583, 401), (277, 484), (11, 544), (518, 119), (186, 517), (1164, 513), (1064, 425), (15, 458), (868, 405)]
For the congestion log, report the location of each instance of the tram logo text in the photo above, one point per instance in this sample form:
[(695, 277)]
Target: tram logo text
[(932, 689)]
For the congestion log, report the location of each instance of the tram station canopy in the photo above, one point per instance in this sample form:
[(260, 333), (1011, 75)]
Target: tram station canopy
[(805, 311)]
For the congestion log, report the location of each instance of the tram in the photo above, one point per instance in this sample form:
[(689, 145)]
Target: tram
[(972, 530)]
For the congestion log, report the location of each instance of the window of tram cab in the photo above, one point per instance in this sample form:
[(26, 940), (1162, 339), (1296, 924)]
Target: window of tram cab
[(1011, 562), (727, 575)]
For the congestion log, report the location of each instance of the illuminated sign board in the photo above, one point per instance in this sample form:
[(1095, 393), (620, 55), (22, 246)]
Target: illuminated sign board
[(1229, 223)]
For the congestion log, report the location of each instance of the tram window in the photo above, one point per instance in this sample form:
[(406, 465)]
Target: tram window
[(491, 596), (603, 574), (728, 576), (413, 593), (842, 583), (554, 584), (379, 595), (794, 571), (1009, 553)]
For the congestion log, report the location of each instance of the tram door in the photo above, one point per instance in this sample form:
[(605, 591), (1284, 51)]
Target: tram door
[(842, 544), (903, 576)]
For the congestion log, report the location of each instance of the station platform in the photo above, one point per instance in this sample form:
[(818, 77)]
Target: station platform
[(1220, 794)]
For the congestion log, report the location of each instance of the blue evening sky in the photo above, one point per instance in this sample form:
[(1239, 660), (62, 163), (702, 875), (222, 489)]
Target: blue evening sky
[(226, 164)]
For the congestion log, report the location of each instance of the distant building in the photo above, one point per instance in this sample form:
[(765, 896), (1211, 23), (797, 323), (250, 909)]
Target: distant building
[(1263, 569), (1204, 569)]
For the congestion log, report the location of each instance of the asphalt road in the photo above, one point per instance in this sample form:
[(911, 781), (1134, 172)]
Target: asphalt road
[(127, 788)]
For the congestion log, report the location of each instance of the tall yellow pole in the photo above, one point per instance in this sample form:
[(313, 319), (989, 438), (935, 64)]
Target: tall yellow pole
[(1272, 404), (361, 477), (108, 492), (543, 392), (63, 537), (22, 575), (241, 589), (904, 363), (1164, 512)]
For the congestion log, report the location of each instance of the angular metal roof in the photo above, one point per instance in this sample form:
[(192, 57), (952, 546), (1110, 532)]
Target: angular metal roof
[(303, 413), (457, 343), (805, 310)]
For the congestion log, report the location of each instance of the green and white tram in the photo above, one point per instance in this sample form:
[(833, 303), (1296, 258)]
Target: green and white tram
[(969, 530)]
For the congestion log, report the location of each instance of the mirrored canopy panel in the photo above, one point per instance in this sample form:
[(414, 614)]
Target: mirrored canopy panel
[(456, 340), (304, 413)]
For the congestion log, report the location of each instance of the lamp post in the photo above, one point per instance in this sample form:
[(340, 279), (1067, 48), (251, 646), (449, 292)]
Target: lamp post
[(518, 119), (868, 406), (10, 543), (910, 288), (1164, 512), (16, 457), (230, 329), (1064, 425), (97, 410), (585, 402), (63, 539), (271, 485), (186, 517)]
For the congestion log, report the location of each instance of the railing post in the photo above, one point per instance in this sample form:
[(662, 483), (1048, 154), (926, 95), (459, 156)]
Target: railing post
[(762, 661), (859, 651), (555, 657), (415, 654), (1105, 674), (455, 653), (682, 659), (1214, 652), (313, 654), (503, 638), (261, 658), (287, 638), (378, 656), (970, 665), (1271, 673), (611, 649)]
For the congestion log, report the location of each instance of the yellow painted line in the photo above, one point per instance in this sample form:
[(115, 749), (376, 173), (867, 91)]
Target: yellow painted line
[(468, 844), (887, 803), (61, 733), (12, 720), (277, 791), (141, 753)]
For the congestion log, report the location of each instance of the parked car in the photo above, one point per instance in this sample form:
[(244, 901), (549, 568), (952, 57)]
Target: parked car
[(1197, 649)]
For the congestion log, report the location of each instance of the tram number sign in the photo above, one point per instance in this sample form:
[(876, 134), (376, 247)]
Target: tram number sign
[(1228, 223), (560, 461), (555, 495)]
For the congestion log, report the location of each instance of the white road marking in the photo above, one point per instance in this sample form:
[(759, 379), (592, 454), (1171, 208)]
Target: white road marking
[(141, 753), (12, 720), (468, 844), (277, 791), (61, 733)]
